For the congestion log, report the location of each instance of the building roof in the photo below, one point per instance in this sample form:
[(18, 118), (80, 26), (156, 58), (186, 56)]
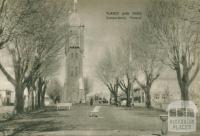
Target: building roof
[(74, 19)]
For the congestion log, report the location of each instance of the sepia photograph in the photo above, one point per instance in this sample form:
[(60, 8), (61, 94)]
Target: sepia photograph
[(99, 68)]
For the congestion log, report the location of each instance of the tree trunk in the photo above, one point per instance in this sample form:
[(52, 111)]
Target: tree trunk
[(114, 92), (38, 100), (126, 90), (43, 96), (19, 97), (32, 100), (34, 96), (148, 98), (29, 100), (183, 81), (115, 99), (184, 92), (39, 93), (128, 102)]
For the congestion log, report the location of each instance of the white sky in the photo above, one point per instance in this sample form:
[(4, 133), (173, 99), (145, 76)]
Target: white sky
[(99, 33)]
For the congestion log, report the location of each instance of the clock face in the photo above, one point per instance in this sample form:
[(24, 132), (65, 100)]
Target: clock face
[(73, 41)]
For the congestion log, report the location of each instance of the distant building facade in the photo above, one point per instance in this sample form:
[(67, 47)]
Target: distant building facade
[(138, 97), (161, 99), (6, 97), (74, 88)]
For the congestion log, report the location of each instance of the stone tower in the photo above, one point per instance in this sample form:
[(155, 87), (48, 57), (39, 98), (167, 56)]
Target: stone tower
[(73, 89)]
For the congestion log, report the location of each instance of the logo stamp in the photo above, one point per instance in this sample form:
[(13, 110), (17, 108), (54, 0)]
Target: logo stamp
[(182, 116)]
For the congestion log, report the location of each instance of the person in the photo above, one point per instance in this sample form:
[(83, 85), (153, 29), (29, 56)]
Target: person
[(91, 101)]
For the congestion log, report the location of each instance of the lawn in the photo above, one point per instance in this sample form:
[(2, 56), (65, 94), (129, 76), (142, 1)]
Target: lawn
[(111, 119)]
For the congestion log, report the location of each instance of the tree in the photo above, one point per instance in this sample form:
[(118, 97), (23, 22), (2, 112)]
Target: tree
[(125, 86), (11, 13), (48, 35), (126, 67), (35, 48), (116, 70), (107, 72), (20, 58), (87, 86), (176, 29), (148, 57), (54, 90), (10, 16)]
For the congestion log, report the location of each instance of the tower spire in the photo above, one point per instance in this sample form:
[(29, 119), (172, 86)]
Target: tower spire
[(75, 2)]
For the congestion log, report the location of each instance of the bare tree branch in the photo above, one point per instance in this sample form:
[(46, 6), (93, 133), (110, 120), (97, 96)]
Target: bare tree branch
[(8, 76)]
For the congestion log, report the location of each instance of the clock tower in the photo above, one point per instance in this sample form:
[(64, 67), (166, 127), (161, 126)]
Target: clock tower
[(73, 91)]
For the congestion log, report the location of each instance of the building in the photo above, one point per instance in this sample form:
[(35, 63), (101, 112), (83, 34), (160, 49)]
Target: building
[(73, 89), (160, 99), (138, 97), (6, 97)]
